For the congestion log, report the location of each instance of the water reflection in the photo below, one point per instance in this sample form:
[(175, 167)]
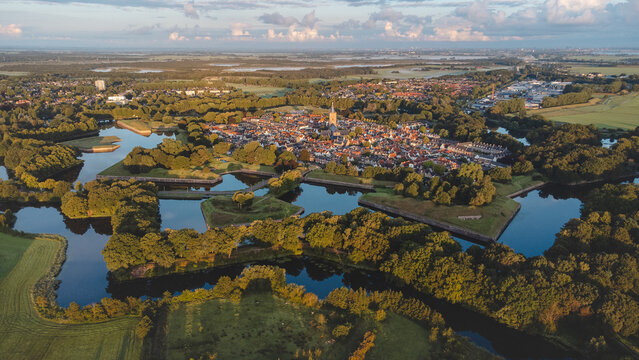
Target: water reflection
[(541, 216), (317, 198)]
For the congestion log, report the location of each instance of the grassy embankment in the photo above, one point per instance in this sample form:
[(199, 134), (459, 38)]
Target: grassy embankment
[(617, 111), (220, 210), (24, 335), (137, 126), (95, 144), (118, 169), (263, 91), (494, 217), (193, 330), (322, 175)]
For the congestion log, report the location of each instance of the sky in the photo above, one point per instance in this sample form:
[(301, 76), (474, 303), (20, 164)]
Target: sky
[(266, 25)]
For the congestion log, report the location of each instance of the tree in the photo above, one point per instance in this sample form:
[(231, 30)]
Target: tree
[(143, 327), (243, 199)]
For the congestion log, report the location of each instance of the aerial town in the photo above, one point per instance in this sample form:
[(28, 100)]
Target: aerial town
[(332, 139)]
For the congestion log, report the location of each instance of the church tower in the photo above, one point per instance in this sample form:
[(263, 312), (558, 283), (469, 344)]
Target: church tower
[(332, 116)]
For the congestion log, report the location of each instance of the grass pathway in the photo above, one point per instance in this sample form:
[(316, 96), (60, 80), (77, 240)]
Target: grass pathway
[(24, 335)]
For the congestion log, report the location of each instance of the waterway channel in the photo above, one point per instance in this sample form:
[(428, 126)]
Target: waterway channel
[(84, 277)]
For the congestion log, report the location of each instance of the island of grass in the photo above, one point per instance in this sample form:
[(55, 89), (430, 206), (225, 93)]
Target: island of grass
[(119, 172), (25, 335), (323, 177), (95, 144), (137, 126), (483, 223), (221, 210)]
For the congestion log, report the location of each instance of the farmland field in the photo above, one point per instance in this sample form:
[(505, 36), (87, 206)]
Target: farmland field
[(605, 70), (264, 91), (24, 335), (613, 112)]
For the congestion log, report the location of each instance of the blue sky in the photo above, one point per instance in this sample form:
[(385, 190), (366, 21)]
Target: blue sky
[(326, 24)]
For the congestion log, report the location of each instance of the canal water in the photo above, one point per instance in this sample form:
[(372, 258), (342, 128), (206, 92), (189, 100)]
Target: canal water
[(84, 277)]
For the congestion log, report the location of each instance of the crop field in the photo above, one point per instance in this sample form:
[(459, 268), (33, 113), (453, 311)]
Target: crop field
[(24, 335), (264, 91), (620, 111), (605, 70), (220, 210)]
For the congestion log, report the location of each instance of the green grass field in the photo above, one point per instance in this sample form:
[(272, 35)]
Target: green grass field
[(605, 70), (263, 91), (493, 216), (266, 327), (24, 335), (617, 111), (220, 210), (95, 143)]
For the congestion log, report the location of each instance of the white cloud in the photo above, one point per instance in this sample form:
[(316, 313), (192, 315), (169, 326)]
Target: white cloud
[(175, 36), (458, 34), (203, 37), (10, 30), (574, 12), (305, 34), (190, 11), (237, 29)]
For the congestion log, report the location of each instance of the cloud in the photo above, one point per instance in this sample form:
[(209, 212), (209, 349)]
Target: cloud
[(237, 29), (304, 34), (202, 37), (278, 19), (10, 30), (190, 11), (309, 20), (175, 36), (574, 12)]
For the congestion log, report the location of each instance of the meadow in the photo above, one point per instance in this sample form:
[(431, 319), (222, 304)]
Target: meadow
[(613, 112), (267, 327), (24, 335)]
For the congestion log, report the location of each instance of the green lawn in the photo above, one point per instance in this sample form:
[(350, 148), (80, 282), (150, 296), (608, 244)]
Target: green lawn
[(24, 335), (95, 143), (11, 250), (220, 210), (617, 111), (118, 169)]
